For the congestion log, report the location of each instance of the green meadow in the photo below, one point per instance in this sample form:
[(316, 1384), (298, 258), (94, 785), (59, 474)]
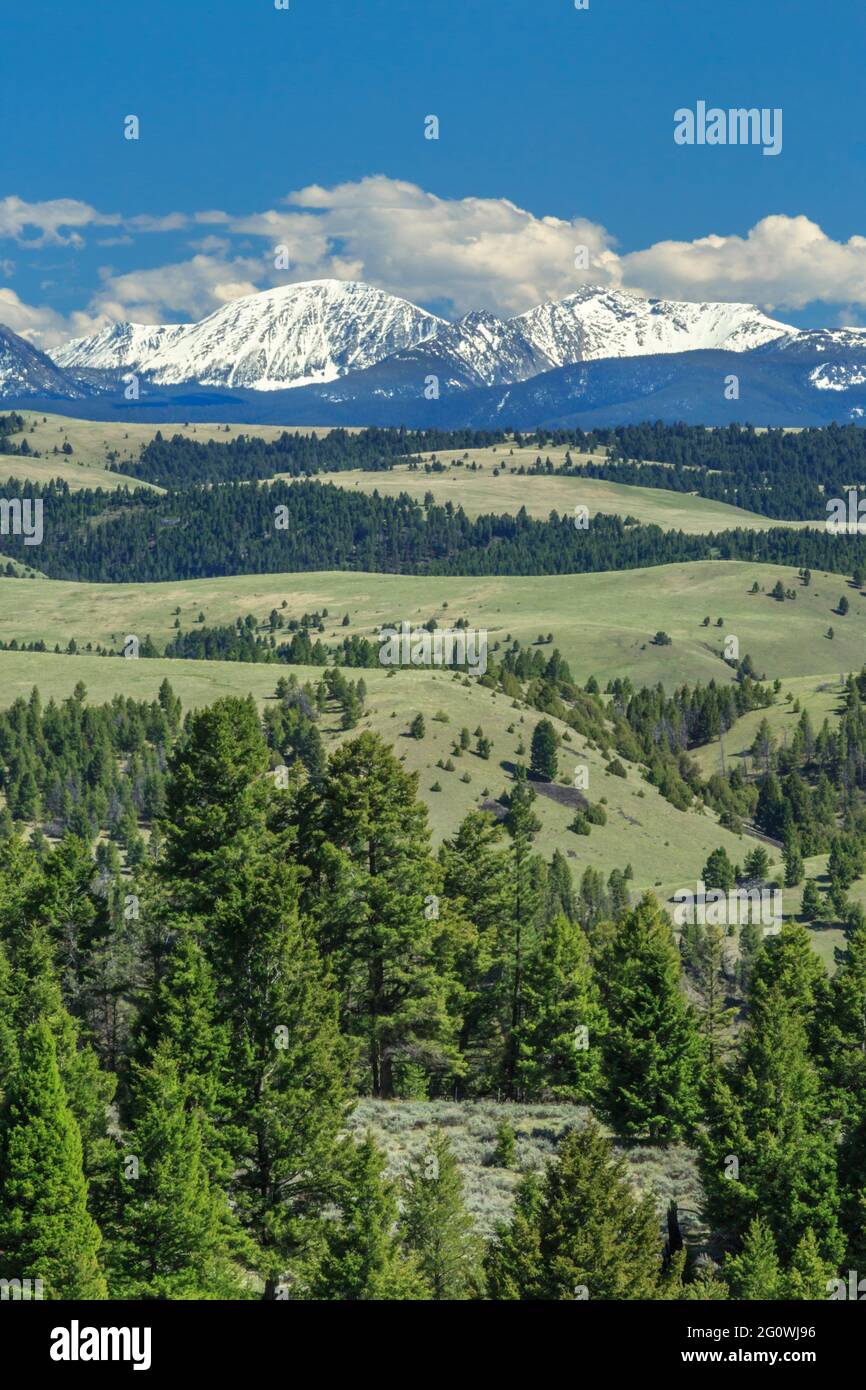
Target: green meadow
[(604, 624), (481, 492)]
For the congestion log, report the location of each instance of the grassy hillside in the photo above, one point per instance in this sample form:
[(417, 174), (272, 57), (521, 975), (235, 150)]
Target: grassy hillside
[(77, 475), (93, 440), (603, 623), (481, 492), (820, 695), (665, 847)]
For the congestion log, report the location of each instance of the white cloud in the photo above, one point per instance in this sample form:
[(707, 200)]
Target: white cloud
[(42, 325), (782, 263), (462, 253), (184, 290), (55, 221), (469, 252)]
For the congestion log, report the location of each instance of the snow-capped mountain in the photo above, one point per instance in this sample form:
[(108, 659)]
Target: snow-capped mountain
[(489, 350), (313, 333), (25, 371), (120, 346), (291, 336), (597, 323)]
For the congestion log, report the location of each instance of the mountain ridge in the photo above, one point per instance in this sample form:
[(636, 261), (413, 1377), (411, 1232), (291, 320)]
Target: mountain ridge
[(319, 331)]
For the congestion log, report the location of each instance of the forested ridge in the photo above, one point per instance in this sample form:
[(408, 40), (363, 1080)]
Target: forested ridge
[(180, 1042), (241, 528), (180, 460), (778, 473)]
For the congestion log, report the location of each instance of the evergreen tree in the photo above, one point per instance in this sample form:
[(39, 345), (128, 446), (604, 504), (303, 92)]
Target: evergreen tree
[(769, 1115), (652, 1052), (366, 843), (718, 872), (436, 1226), (362, 1258), (274, 998), (518, 935), (543, 752), (811, 906), (793, 857), (476, 879), (713, 1012), (183, 1021), (562, 895), (583, 1233), (216, 795), (175, 1238), (755, 1273), (46, 1230), (808, 1275), (561, 1033), (512, 1264)]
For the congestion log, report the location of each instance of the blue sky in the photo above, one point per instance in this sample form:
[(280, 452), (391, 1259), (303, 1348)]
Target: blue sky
[(556, 129)]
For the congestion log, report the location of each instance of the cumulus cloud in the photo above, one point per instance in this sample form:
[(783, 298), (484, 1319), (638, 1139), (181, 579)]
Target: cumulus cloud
[(42, 325), (184, 290), (782, 263), (57, 221), (470, 253), (457, 254)]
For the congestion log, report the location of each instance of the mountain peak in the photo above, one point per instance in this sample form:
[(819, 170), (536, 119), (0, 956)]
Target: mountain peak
[(315, 331)]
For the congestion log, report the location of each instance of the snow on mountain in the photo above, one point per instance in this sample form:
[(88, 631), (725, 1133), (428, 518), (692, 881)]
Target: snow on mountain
[(491, 350), (132, 345), (291, 336), (25, 371), (597, 323), (317, 332)]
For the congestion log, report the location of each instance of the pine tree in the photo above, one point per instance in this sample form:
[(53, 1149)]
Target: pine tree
[(707, 1286), (175, 1238), (718, 872), (274, 998), (561, 1034), (512, 1264), (35, 994), (366, 843), (476, 879), (789, 961), (362, 1257), (768, 1113), (755, 1273), (652, 1053), (793, 857), (216, 793), (46, 1230), (287, 1060), (808, 1275), (583, 1233), (543, 752), (751, 944), (812, 905), (183, 1021), (436, 1226), (714, 1014), (562, 895), (518, 936)]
